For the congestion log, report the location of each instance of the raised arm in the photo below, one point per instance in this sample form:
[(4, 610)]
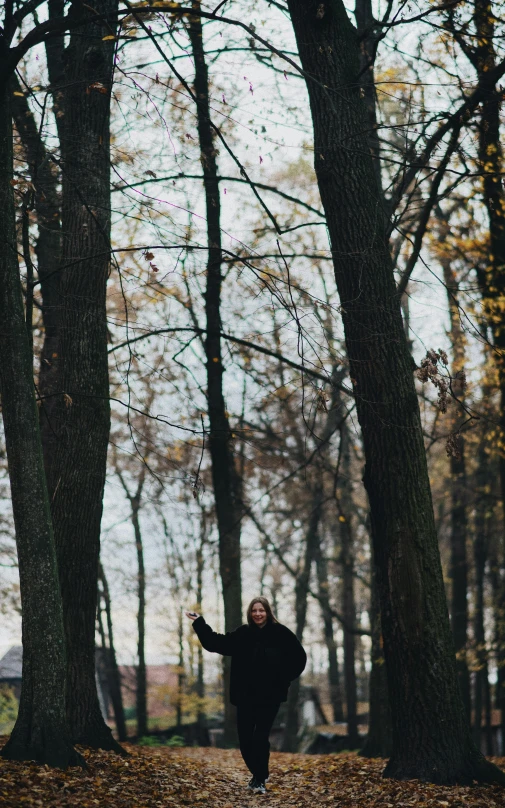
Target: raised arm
[(224, 644)]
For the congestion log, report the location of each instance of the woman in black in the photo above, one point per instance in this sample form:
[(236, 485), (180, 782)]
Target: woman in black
[(265, 658)]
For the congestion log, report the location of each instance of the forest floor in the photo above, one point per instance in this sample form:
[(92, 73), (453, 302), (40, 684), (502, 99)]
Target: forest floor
[(216, 778)]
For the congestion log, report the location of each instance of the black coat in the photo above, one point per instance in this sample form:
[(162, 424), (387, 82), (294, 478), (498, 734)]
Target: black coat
[(264, 661)]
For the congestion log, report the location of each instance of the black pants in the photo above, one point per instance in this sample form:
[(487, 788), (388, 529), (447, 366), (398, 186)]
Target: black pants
[(254, 722)]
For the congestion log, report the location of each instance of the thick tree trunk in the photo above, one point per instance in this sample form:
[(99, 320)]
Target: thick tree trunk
[(379, 741), (41, 730), (76, 465), (225, 477), (348, 602), (113, 675), (431, 735), (329, 635)]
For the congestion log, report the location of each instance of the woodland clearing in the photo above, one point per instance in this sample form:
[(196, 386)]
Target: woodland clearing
[(152, 777)]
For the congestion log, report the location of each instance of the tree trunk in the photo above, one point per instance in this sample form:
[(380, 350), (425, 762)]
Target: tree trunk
[(367, 31), (348, 603), (49, 243), (113, 675), (459, 490), (141, 684), (180, 673), (76, 465), (431, 735), (481, 673), (379, 742), (41, 730), (302, 584), (225, 477), (200, 681), (47, 202), (312, 541), (329, 635), (495, 580), (492, 280)]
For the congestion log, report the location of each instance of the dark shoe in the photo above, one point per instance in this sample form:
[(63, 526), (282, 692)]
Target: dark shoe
[(251, 783), (258, 786)]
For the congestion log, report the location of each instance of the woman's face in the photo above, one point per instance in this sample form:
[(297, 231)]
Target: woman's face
[(259, 614)]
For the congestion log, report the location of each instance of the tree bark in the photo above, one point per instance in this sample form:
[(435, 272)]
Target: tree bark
[(379, 742), (180, 673), (41, 730), (141, 691), (80, 418), (329, 635), (345, 507), (200, 681), (492, 281), (312, 541), (49, 245), (135, 500), (47, 203), (481, 53), (365, 20), (302, 584), (225, 477), (113, 675), (498, 615), (459, 489), (431, 735), (480, 558)]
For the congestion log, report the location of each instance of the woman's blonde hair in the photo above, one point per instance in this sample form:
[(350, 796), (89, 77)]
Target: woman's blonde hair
[(266, 605)]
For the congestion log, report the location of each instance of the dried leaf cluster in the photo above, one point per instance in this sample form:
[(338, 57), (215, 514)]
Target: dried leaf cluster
[(217, 778)]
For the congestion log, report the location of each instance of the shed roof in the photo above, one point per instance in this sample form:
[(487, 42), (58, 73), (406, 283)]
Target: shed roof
[(11, 664)]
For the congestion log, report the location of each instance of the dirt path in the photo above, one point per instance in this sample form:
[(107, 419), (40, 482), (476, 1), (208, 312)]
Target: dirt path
[(216, 778)]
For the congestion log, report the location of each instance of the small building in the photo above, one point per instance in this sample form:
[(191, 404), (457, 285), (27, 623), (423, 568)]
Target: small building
[(11, 669), (162, 684), (11, 674)]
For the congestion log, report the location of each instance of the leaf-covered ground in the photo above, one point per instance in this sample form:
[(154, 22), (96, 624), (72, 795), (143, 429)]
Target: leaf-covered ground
[(167, 777)]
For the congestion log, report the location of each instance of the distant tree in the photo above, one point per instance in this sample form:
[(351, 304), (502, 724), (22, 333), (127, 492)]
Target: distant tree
[(478, 30), (112, 668), (134, 498)]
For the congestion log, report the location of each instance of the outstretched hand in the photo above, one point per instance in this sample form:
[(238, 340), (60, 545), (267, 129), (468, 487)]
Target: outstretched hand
[(192, 615)]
